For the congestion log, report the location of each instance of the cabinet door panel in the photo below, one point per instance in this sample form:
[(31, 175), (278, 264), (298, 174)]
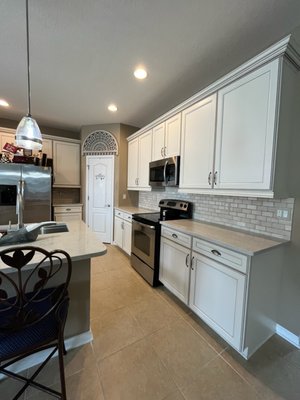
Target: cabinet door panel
[(133, 153), (6, 138), (245, 130), (66, 160), (174, 273), (217, 296), (118, 232), (145, 147), (127, 237), (158, 142), (172, 136), (197, 146)]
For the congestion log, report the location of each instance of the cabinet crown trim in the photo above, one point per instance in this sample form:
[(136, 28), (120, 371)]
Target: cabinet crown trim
[(285, 47)]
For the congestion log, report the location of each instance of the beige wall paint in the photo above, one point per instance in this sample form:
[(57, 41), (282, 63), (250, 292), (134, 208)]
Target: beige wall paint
[(120, 132)]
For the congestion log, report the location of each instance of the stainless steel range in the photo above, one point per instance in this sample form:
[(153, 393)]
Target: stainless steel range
[(146, 236)]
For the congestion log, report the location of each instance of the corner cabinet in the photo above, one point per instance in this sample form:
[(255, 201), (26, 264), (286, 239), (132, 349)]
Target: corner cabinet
[(139, 156), (166, 138), (66, 164)]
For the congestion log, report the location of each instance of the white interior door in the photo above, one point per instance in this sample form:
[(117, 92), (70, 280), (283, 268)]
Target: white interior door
[(100, 178)]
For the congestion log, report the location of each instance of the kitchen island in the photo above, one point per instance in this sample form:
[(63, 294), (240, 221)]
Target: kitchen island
[(81, 244)]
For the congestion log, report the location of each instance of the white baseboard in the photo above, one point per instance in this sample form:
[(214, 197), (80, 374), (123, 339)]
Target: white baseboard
[(288, 336), (37, 358)]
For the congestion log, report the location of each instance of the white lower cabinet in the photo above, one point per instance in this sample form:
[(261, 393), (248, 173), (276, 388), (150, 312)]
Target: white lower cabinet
[(122, 230), (217, 295), (235, 294), (174, 270)]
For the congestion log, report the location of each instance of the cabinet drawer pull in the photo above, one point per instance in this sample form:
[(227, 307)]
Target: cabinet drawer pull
[(68, 209), (216, 252), (209, 179), (192, 263), (162, 151), (215, 177), (187, 260), (174, 235)]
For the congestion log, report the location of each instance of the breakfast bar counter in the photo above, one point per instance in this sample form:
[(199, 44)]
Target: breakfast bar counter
[(81, 244)]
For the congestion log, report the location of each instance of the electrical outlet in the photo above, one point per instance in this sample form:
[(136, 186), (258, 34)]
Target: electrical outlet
[(124, 196), (285, 213)]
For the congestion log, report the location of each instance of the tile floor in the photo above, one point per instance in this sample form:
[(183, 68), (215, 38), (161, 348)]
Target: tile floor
[(148, 346)]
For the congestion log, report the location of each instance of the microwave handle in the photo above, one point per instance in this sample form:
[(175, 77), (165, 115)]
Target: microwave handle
[(165, 172)]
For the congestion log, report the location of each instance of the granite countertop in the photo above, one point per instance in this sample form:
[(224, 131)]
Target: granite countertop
[(245, 243), (134, 210), (80, 242)]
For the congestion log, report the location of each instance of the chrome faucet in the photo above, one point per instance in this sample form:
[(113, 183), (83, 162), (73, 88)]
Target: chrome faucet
[(20, 203)]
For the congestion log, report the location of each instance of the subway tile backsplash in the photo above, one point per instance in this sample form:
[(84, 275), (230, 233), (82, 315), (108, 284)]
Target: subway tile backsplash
[(251, 214)]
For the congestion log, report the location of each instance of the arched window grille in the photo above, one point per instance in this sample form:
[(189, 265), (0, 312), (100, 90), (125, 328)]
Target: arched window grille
[(100, 143)]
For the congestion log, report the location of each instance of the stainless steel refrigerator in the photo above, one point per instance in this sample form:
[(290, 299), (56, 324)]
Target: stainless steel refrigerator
[(25, 193)]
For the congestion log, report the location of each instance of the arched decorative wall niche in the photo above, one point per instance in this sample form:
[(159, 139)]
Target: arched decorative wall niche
[(100, 143)]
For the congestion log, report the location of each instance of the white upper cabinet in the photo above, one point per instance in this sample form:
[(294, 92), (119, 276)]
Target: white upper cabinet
[(6, 138), (246, 131), (139, 156), (158, 142), (197, 145), (166, 138), (133, 161), (240, 135), (66, 164), (47, 148)]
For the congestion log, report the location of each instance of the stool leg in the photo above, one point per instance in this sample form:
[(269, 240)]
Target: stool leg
[(61, 350)]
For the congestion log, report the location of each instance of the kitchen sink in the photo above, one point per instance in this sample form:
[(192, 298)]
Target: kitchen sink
[(58, 227)]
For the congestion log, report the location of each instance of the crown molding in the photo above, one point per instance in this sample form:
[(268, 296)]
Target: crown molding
[(285, 47)]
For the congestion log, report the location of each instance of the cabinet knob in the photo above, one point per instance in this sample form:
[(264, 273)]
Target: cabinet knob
[(174, 235), (216, 252)]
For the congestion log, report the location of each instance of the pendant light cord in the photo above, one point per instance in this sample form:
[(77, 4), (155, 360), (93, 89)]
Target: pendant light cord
[(28, 64)]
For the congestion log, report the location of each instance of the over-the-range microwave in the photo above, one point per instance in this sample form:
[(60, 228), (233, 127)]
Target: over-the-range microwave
[(164, 172)]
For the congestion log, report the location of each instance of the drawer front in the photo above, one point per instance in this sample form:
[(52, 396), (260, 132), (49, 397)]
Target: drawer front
[(70, 209), (221, 254), (67, 217), (127, 217), (177, 237), (118, 213)]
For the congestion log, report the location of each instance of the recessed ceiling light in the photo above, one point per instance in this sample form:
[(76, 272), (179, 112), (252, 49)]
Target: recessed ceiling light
[(112, 108), (140, 73), (4, 103)]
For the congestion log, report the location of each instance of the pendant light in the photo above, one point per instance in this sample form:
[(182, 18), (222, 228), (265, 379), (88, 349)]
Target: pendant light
[(28, 134)]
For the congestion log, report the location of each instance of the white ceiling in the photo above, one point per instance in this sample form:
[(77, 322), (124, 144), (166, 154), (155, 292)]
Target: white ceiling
[(83, 53)]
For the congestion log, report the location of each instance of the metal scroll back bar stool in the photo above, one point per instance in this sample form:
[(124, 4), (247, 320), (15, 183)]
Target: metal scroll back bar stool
[(34, 304)]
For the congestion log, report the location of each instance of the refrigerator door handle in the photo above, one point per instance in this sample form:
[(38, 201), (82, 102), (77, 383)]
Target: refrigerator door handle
[(20, 202)]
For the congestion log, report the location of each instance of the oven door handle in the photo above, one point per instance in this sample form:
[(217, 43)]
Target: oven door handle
[(145, 225)]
